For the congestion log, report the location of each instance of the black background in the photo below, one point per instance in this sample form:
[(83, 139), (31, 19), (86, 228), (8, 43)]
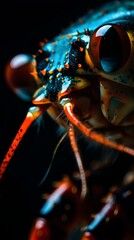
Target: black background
[(22, 26)]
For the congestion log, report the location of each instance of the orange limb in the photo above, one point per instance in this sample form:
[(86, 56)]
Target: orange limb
[(78, 159), (32, 115), (68, 108), (88, 236), (40, 230)]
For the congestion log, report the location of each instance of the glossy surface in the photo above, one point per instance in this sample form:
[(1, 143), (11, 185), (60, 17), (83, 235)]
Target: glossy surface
[(101, 103)]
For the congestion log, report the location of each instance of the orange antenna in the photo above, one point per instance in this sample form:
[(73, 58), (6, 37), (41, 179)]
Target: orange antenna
[(68, 108), (78, 159), (32, 115)]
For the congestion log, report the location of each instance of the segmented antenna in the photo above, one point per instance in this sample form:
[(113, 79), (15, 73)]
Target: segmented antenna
[(32, 115), (68, 108)]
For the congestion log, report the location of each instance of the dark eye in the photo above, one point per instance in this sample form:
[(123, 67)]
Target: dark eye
[(109, 47)]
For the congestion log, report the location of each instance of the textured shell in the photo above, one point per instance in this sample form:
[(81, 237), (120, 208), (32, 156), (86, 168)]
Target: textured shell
[(120, 13), (113, 90)]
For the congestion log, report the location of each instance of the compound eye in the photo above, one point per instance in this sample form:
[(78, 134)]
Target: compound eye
[(109, 47)]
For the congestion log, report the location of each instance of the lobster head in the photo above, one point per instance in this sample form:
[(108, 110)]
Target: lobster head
[(91, 64)]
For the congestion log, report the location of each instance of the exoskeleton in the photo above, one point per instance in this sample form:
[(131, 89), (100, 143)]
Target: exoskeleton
[(84, 79)]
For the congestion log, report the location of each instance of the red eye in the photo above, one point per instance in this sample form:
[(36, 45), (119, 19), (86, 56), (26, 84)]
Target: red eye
[(109, 47)]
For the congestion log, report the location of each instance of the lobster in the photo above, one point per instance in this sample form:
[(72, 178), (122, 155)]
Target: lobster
[(83, 79)]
